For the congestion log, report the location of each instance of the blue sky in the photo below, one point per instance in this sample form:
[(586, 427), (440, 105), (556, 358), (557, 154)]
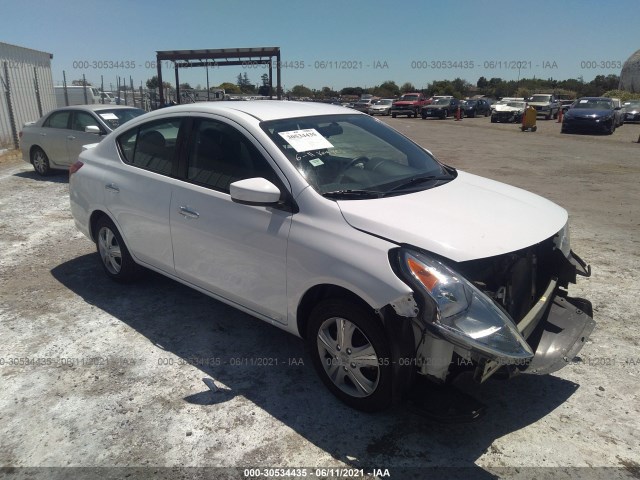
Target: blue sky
[(411, 41)]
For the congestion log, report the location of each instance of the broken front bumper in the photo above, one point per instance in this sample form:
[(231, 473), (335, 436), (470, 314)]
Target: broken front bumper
[(556, 328)]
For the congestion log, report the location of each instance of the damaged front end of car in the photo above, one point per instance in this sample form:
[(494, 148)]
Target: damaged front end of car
[(508, 313)]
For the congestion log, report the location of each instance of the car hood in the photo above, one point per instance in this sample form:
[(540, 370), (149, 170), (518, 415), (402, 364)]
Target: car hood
[(437, 107), (507, 108), (587, 112), (468, 218)]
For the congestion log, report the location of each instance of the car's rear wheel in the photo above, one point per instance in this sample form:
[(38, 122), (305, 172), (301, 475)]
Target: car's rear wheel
[(115, 257), (351, 354), (40, 162)]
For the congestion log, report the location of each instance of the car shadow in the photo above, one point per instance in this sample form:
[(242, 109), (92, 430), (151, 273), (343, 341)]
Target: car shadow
[(57, 176), (271, 368)]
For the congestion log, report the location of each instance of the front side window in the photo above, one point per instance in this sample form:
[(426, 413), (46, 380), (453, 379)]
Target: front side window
[(220, 155), (82, 120), (151, 146), (349, 153)]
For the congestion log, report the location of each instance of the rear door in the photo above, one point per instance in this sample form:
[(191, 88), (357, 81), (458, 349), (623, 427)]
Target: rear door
[(138, 189), (52, 136)]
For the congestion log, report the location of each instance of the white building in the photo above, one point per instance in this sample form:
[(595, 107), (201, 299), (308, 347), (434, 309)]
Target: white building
[(26, 90)]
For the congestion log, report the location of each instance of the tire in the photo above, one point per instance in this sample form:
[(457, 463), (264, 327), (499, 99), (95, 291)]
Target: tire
[(613, 128), (548, 117), (40, 162), (393, 115), (415, 114), (493, 120), (367, 387), (486, 113), (445, 115), (114, 255), (555, 116)]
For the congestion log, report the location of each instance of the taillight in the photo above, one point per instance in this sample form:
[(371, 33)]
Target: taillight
[(75, 167)]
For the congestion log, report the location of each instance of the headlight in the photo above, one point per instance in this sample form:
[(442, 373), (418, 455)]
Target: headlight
[(464, 315)]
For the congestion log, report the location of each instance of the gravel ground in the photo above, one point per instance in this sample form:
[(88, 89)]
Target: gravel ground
[(96, 374)]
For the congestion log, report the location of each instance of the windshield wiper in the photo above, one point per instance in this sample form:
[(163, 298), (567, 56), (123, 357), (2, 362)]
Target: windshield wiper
[(417, 180), (352, 194)]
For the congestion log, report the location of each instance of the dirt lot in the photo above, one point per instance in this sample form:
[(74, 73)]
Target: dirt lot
[(95, 374)]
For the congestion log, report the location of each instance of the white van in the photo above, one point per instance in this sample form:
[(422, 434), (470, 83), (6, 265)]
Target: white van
[(76, 95)]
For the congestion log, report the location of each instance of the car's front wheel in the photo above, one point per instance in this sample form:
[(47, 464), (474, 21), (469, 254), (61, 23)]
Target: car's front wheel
[(40, 162), (115, 256), (351, 354)]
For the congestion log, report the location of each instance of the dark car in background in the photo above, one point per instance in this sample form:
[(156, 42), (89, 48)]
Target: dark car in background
[(591, 114), (441, 108), (478, 107), (632, 111)]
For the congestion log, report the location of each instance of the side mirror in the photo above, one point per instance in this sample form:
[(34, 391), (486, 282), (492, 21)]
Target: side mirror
[(254, 191), (92, 129)]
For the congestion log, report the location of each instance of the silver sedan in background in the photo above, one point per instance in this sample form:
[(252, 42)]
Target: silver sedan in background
[(55, 141)]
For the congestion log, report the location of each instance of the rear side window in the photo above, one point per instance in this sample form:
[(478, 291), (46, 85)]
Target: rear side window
[(151, 146), (58, 120)]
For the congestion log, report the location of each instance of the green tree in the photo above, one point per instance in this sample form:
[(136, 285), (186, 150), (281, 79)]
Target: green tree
[(387, 89), (407, 87), (301, 91), (228, 87)]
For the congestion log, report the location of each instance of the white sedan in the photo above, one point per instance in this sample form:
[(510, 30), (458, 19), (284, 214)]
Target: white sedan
[(55, 141), (331, 225)]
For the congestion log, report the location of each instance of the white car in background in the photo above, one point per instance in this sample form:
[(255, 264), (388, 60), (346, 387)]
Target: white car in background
[(331, 225), (55, 141)]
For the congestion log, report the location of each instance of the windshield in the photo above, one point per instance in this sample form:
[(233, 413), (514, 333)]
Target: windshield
[(384, 102), (515, 104), (441, 101), (541, 98), (353, 153), (632, 105), (409, 98), (470, 103), (115, 117), (594, 104)]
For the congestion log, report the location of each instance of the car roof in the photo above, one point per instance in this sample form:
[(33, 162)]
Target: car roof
[(97, 106), (262, 110)]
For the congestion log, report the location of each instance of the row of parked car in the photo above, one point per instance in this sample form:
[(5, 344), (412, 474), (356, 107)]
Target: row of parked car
[(600, 113)]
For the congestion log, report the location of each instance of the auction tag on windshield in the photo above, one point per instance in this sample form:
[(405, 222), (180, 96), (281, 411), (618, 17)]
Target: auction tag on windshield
[(305, 140), (108, 116), (584, 101)]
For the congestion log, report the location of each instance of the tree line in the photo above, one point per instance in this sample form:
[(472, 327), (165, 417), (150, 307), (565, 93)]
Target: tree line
[(494, 87)]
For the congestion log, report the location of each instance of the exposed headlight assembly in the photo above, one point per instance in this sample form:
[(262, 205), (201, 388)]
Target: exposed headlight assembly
[(464, 315)]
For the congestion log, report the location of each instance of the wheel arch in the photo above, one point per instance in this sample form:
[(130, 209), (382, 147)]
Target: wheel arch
[(321, 292), (96, 215)]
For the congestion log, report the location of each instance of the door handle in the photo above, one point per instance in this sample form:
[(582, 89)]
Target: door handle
[(188, 213), (112, 186)]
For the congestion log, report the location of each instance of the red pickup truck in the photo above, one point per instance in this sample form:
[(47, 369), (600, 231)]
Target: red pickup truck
[(409, 104)]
